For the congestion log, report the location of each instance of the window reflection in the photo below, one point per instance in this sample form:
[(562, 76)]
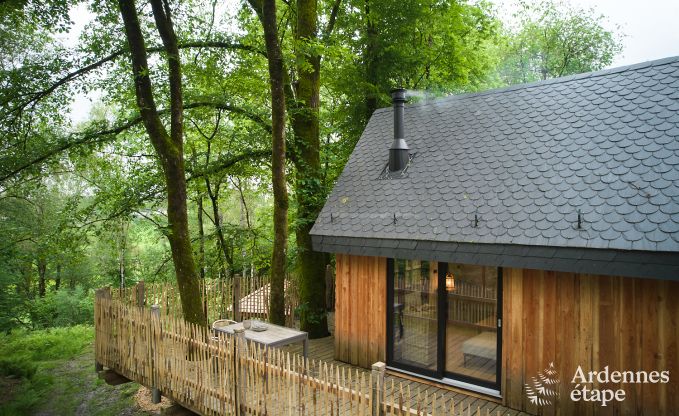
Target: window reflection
[(415, 313), (471, 327), (467, 325)]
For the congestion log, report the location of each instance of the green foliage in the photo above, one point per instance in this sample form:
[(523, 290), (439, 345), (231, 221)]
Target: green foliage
[(553, 40), (17, 367), (62, 308), (440, 47), (308, 314), (54, 370), (47, 13), (46, 345), (29, 354), (83, 206)]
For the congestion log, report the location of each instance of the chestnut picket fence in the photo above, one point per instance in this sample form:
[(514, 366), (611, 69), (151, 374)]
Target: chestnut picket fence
[(219, 374)]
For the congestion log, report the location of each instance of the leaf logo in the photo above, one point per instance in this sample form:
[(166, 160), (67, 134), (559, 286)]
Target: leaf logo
[(544, 389)]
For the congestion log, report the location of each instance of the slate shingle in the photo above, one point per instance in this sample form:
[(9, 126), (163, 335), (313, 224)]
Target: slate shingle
[(525, 159)]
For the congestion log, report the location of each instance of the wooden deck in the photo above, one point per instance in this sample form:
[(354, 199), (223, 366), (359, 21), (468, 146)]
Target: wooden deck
[(217, 374), (323, 349)]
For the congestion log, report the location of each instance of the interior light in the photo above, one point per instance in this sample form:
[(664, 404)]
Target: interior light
[(450, 282)]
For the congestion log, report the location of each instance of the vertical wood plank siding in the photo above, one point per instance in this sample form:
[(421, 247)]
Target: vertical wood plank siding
[(591, 321), (569, 319), (360, 309)]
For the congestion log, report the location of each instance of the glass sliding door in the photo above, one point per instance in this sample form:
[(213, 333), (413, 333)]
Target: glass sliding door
[(443, 320), (414, 316), (472, 340)]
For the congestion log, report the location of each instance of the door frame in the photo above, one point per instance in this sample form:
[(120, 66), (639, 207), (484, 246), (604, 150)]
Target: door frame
[(498, 325), (440, 373)]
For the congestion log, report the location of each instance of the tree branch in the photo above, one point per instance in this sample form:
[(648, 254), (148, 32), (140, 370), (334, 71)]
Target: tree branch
[(90, 138), (142, 80), (35, 97), (162, 16), (221, 165), (331, 23), (258, 119), (104, 135), (150, 219)]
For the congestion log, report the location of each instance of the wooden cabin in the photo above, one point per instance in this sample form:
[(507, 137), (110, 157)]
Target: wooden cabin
[(512, 241)]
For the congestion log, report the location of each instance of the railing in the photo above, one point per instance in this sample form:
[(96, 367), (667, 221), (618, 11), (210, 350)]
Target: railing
[(216, 374), (218, 298)]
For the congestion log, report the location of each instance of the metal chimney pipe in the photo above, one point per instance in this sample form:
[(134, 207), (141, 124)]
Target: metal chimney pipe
[(398, 153)]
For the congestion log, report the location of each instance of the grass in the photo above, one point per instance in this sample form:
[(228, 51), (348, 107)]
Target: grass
[(47, 345), (51, 372)]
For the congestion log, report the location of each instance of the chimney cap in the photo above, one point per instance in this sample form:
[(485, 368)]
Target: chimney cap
[(398, 95)]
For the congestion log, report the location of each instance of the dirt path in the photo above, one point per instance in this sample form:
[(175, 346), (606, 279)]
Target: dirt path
[(78, 390)]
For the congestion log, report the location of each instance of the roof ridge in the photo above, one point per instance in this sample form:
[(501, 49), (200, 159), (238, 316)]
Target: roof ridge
[(559, 80)]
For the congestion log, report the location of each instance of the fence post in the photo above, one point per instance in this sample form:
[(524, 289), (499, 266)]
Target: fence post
[(376, 393), (103, 293), (236, 298), (139, 292), (240, 373), (155, 392)]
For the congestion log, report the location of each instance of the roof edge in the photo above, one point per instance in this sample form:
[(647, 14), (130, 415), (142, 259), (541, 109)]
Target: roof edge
[(625, 263), (583, 75)]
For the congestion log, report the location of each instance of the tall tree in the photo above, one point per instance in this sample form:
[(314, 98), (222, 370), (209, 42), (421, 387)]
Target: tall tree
[(266, 12), (552, 40), (382, 66), (309, 189), (436, 46), (169, 147)]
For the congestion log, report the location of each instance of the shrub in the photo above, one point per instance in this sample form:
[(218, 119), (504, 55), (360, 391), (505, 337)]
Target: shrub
[(45, 345), (62, 308), (17, 366), (33, 355)]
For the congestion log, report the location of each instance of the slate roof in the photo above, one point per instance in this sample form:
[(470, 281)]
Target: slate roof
[(513, 168)]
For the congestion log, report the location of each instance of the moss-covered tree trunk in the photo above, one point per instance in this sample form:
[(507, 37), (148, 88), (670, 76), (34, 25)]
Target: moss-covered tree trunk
[(266, 11), (169, 147), (308, 181)]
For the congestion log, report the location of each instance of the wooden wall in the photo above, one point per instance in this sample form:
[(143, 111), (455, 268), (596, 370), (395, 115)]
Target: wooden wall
[(360, 309), (564, 318), (592, 321)]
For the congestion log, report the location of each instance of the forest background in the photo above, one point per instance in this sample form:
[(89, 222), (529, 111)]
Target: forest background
[(103, 201), (218, 130)]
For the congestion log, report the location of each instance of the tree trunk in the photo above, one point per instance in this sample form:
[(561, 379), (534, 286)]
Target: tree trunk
[(57, 278), (27, 279), (308, 185), (201, 249), (168, 147), (245, 224), (122, 246), (201, 237), (266, 11), (42, 272), (217, 220)]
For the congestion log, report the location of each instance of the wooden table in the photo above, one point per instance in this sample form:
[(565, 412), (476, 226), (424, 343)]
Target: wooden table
[(274, 336)]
